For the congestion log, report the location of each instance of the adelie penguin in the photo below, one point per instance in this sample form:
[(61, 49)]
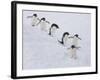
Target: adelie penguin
[(44, 24), (75, 40), (35, 19), (64, 38), (73, 51), (53, 29)]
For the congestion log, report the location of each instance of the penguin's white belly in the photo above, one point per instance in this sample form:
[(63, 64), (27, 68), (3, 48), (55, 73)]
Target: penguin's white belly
[(65, 40), (35, 21), (72, 53), (53, 31), (56, 35), (70, 41), (75, 42), (44, 26)]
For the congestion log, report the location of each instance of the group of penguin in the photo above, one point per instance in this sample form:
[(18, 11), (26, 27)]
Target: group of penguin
[(51, 30)]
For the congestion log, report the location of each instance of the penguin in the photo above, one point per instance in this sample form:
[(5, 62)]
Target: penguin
[(73, 51), (35, 19), (44, 25), (64, 38), (53, 29), (75, 39), (32, 16)]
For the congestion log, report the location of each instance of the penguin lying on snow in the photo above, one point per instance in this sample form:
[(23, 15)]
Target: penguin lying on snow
[(64, 38), (53, 29)]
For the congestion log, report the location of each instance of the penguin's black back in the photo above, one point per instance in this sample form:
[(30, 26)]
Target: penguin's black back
[(62, 40), (53, 25), (65, 33)]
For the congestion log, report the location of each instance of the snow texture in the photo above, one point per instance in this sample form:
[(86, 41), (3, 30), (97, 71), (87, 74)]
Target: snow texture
[(42, 51)]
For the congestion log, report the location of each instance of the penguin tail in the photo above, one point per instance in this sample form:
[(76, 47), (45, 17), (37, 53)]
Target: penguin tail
[(60, 42)]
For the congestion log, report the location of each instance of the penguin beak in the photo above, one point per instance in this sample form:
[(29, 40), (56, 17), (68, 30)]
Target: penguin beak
[(79, 38)]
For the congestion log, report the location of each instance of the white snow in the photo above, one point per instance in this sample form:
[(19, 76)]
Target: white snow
[(41, 51)]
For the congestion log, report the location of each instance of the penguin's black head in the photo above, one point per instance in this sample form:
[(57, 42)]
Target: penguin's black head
[(43, 19), (54, 25), (73, 46), (35, 15), (76, 35)]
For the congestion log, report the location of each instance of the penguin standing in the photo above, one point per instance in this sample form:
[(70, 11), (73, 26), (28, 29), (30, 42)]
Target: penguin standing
[(44, 25), (75, 39), (35, 19), (73, 51), (53, 29), (64, 38)]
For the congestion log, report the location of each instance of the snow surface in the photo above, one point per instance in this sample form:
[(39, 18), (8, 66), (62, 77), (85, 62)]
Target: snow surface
[(41, 51)]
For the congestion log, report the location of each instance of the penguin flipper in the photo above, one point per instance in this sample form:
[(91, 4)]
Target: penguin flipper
[(60, 42)]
